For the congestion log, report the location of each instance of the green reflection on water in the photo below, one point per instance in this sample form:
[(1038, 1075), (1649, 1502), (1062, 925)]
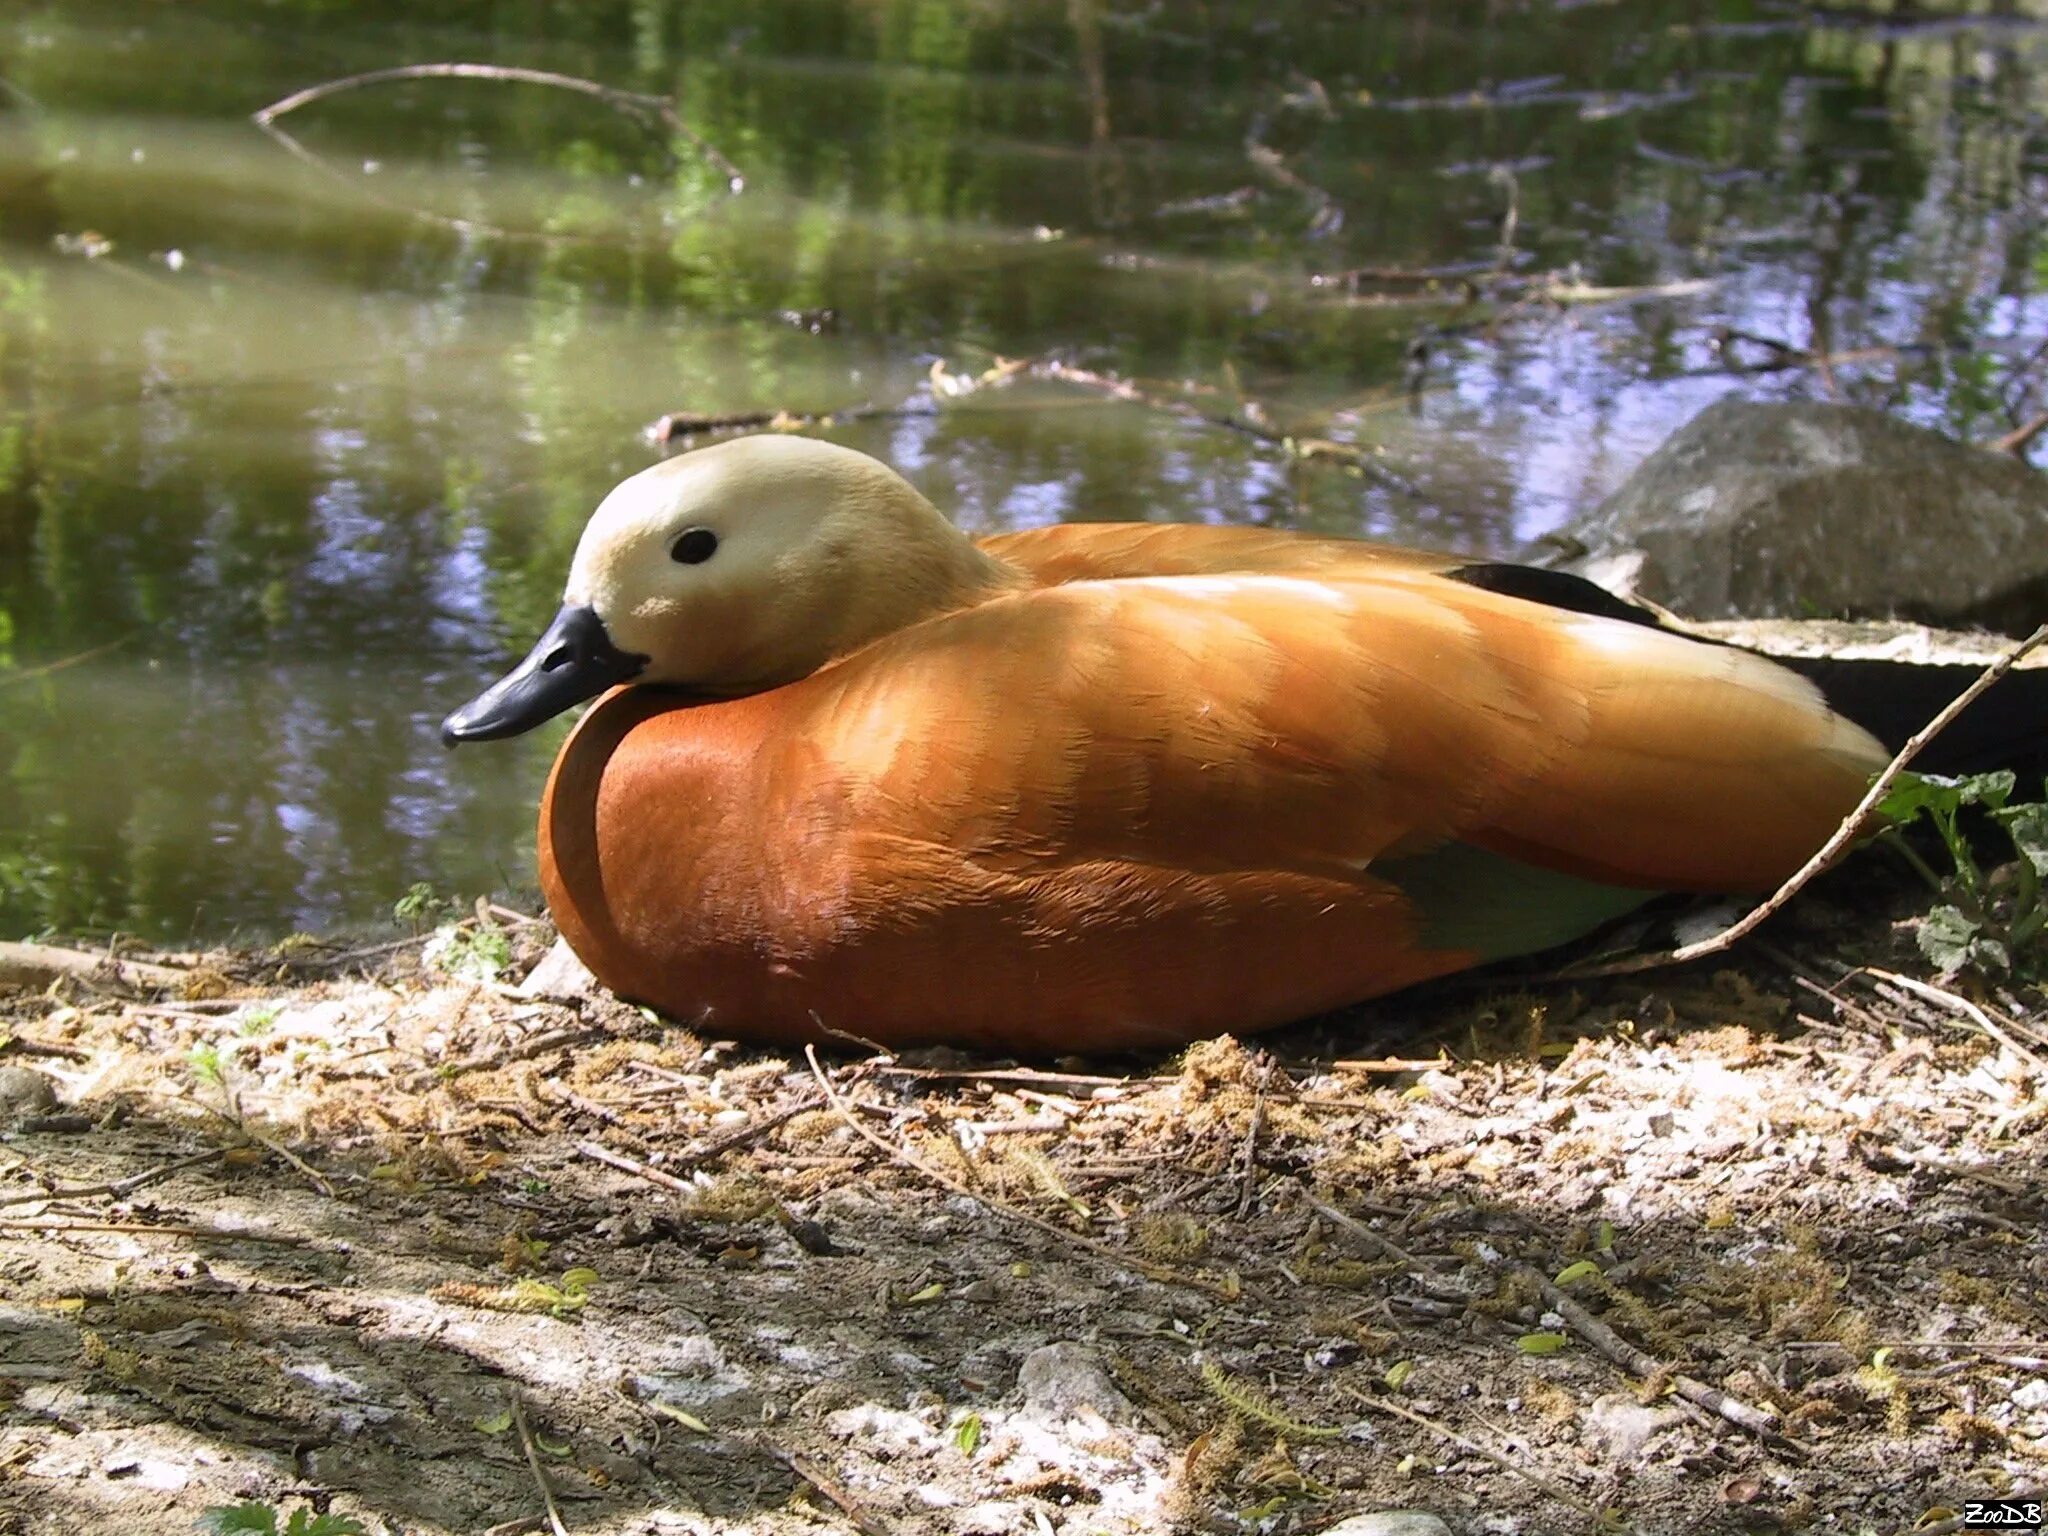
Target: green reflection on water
[(298, 489)]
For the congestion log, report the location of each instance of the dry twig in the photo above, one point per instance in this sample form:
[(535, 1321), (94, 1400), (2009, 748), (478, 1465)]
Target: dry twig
[(842, 1108), (1542, 1484), (1639, 1362), (540, 1477), (117, 1188)]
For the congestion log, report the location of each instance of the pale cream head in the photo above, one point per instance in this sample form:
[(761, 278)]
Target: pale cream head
[(814, 550)]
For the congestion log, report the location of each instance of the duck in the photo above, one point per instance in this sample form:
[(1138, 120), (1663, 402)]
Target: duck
[(1105, 787)]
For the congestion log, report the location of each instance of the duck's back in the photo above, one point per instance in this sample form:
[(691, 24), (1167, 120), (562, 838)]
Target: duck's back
[(1190, 783)]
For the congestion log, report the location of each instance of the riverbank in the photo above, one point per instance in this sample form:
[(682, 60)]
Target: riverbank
[(1748, 1244)]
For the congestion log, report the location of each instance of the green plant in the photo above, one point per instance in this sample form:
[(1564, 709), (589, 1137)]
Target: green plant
[(475, 953), (1975, 925), (204, 1062), (419, 905), (259, 1519)]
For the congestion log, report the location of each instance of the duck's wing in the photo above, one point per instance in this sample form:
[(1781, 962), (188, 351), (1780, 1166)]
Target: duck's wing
[(1341, 721)]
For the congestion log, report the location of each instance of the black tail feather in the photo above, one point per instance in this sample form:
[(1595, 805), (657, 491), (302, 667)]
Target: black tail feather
[(2006, 728)]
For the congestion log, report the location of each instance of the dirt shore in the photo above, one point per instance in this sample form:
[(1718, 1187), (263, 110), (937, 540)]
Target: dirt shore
[(1749, 1247)]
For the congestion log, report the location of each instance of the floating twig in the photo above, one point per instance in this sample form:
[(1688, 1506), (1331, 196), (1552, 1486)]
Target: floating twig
[(636, 103), (30, 674), (2020, 438)]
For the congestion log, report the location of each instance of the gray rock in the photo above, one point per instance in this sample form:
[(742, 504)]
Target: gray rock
[(1390, 1522), (24, 1094), (1772, 509), (1060, 1380), (1619, 1427), (559, 976)]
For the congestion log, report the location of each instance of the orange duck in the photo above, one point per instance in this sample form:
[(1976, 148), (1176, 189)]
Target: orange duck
[(1107, 786)]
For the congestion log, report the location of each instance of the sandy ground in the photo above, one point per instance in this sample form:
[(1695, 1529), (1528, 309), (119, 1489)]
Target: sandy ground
[(1748, 1248)]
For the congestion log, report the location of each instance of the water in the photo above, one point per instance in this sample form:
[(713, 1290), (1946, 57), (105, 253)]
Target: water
[(297, 463)]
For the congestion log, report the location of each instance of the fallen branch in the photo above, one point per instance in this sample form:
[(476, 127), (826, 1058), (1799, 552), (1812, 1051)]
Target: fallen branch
[(35, 966), (1851, 828), (636, 103), (117, 1188), (1362, 1232), (1639, 1362)]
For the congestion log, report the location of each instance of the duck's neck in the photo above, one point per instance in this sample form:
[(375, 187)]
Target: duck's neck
[(941, 572)]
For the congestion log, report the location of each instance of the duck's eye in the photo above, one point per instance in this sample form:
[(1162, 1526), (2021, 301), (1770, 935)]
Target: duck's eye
[(695, 547)]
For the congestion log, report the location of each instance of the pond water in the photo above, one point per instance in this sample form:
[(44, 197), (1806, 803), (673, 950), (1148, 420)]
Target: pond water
[(296, 433)]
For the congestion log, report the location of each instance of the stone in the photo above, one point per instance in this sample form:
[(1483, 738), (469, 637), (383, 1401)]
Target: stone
[(24, 1094), (1619, 1427), (1061, 1380), (1788, 509), (559, 976), (1390, 1522)]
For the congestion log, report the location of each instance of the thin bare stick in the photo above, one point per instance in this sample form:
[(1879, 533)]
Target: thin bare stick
[(1852, 827), (1362, 1232), (1541, 1484), (657, 107), (2021, 437), (834, 1492), (1963, 1006), (1639, 1362), (844, 1110), (639, 1170), (311, 1174), (540, 1477), (159, 1229), (116, 1188)]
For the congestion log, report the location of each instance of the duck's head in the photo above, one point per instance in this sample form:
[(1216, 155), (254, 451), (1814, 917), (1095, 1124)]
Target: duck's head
[(733, 569)]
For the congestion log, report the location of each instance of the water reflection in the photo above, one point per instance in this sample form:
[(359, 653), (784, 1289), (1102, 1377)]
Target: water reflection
[(295, 462)]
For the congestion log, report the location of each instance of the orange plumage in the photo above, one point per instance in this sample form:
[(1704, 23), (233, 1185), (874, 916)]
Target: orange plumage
[(1104, 786)]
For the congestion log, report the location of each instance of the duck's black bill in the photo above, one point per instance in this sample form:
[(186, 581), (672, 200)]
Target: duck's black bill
[(575, 660)]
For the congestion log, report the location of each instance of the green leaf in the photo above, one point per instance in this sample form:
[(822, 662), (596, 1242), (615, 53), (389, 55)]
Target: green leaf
[(1987, 789), (2027, 825), (1571, 1274), (496, 1424), (1541, 1343), (967, 1434), (1914, 793), (1952, 939), (252, 1519), (1397, 1374)]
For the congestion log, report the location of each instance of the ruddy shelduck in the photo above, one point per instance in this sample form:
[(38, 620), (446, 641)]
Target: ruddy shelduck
[(1104, 786)]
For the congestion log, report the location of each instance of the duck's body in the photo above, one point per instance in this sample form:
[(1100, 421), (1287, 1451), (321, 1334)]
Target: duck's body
[(1108, 786)]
